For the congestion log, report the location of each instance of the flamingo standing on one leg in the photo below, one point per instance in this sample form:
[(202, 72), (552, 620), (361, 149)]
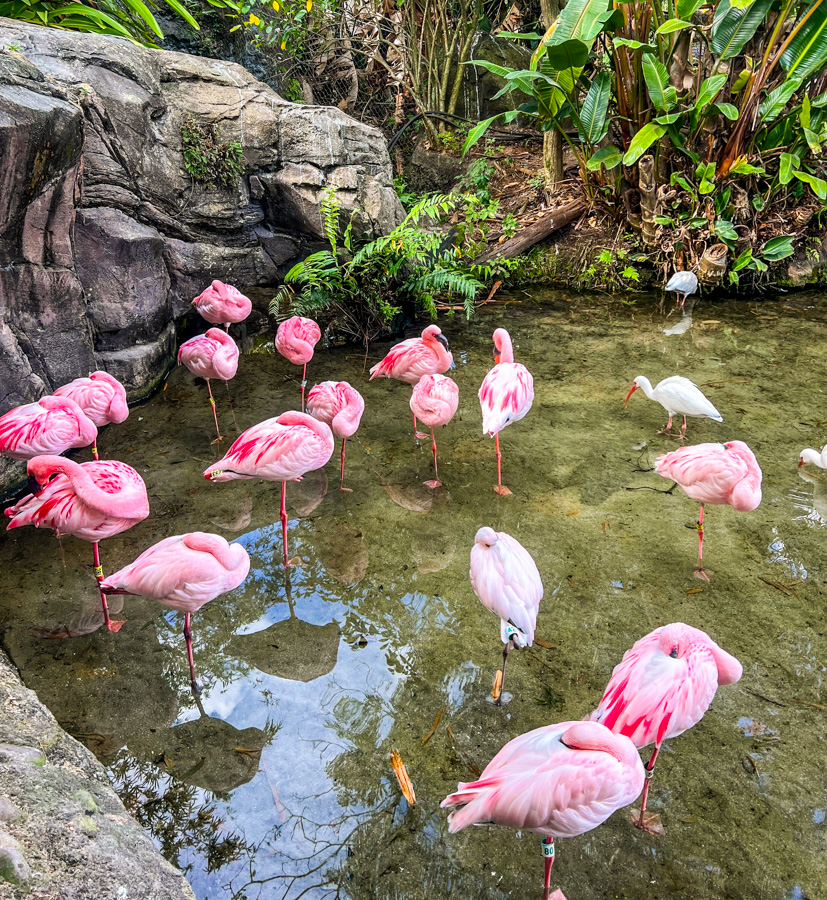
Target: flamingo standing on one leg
[(211, 355), (183, 573), (222, 304), (662, 687), (679, 397), (719, 474), (506, 395), (295, 339), (101, 396), (558, 781), (51, 425), (506, 580), (409, 360), (340, 406), (434, 401), (90, 501), (280, 449)]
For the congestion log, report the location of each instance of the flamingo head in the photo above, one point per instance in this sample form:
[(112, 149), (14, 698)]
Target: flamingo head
[(632, 389), (41, 469), (434, 333), (594, 736), (675, 639), (486, 537)]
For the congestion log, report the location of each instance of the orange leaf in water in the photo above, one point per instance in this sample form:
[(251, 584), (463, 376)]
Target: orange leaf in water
[(498, 685), (402, 778)]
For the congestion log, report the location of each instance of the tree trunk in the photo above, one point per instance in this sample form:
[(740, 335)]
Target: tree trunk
[(553, 156), (648, 199), (528, 237)]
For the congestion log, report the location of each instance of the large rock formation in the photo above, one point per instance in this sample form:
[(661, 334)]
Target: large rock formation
[(104, 235)]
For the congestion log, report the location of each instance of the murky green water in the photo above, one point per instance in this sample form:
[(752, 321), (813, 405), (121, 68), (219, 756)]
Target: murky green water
[(279, 786)]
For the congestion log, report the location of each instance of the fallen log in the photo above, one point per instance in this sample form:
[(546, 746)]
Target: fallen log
[(526, 238)]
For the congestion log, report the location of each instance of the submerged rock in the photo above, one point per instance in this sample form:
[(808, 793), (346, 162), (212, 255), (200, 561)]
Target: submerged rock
[(106, 237)]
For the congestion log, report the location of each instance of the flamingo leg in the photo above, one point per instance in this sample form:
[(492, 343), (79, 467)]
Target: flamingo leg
[(434, 482), (500, 488), (95, 451), (499, 700), (283, 517), (230, 401), (342, 471), (214, 415), (304, 383), (111, 624), (418, 434), (649, 822), (548, 854), (699, 570), (188, 638)]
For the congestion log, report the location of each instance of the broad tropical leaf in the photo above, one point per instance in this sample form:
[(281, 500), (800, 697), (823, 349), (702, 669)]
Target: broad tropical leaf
[(777, 99), (733, 27), (672, 25), (608, 157), (578, 18), (476, 133), (710, 89), (807, 52), (633, 45), (785, 168), (663, 95), (571, 54), (594, 109), (642, 141), (726, 109), (687, 8), (817, 184), (777, 248)]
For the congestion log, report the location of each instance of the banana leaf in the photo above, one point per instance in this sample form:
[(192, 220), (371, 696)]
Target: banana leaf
[(593, 121), (663, 95), (733, 27), (807, 52)]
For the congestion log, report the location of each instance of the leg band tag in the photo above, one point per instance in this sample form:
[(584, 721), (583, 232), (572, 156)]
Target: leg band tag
[(548, 848), (98, 571), (212, 402), (304, 384)]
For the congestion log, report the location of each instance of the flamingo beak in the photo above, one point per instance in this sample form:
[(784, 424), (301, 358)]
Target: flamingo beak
[(631, 391), (34, 486), (444, 341)]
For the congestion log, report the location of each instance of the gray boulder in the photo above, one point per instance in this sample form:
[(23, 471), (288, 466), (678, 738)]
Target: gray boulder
[(105, 237)]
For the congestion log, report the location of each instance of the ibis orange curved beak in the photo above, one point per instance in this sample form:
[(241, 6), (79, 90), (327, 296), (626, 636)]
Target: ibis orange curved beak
[(800, 462), (632, 389)]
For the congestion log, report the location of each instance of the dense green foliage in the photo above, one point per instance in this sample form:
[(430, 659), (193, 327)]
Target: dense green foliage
[(363, 289), (132, 19), (207, 158), (698, 124)]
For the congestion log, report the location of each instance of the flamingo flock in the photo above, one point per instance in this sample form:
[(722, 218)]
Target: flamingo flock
[(560, 780)]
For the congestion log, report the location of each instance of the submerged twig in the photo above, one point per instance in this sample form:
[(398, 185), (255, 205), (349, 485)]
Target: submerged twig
[(430, 734)]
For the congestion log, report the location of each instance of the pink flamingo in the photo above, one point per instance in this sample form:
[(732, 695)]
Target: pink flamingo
[(51, 425), (506, 580), (295, 339), (91, 501), (279, 449), (101, 396), (409, 360), (340, 406), (662, 687), (222, 304), (506, 395), (559, 781), (211, 355), (183, 573), (719, 474), (434, 401)]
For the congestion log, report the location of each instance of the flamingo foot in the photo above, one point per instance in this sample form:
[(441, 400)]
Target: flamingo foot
[(502, 700), (115, 625), (346, 490), (420, 435), (218, 440), (557, 895), (701, 573), (502, 490), (196, 687), (649, 822), (295, 563), (433, 484)]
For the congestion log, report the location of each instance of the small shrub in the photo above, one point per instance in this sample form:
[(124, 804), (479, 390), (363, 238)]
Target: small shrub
[(207, 159)]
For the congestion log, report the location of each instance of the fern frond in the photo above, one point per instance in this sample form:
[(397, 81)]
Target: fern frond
[(331, 207)]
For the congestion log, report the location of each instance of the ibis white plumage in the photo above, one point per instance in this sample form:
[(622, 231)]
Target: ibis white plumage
[(679, 397), (816, 457), (683, 284)]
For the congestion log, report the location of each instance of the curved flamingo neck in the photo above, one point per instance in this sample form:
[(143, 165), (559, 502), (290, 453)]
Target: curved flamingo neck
[(502, 341), (583, 736), (219, 549), (120, 504)]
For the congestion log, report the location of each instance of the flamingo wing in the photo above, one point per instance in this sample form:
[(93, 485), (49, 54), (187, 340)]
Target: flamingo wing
[(506, 395), (707, 472), (407, 361)]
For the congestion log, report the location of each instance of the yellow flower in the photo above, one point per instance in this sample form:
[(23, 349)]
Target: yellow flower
[(254, 20), (309, 5), (276, 5), (284, 45)]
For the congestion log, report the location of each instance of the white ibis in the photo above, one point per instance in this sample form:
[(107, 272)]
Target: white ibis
[(679, 397), (683, 283)]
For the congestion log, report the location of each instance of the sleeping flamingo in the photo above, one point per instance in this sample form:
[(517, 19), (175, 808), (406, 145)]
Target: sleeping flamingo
[(222, 304), (409, 360), (679, 397), (295, 339), (51, 425), (91, 501), (558, 781), (434, 401), (280, 449), (506, 580), (211, 355), (506, 395), (719, 474), (340, 406), (662, 687), (101, 396), (183, 573)]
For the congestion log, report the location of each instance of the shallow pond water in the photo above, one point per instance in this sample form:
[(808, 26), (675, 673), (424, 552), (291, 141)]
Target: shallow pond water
[(277, 783)]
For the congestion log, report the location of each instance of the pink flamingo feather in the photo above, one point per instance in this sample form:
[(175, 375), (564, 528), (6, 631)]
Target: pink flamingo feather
[(340, 406), (101, 396), (222, 304), (49, 426), (434, 402), (295, 339), (211, 355)]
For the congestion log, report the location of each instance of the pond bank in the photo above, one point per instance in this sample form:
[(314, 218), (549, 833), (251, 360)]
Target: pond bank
[(63, 831)]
